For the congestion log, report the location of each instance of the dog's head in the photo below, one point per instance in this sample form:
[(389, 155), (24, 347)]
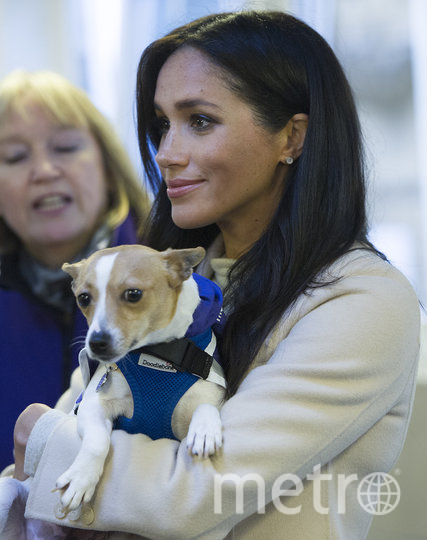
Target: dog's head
[(129, 296)]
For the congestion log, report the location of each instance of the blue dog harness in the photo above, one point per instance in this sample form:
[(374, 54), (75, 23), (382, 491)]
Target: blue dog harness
[(159, 375)]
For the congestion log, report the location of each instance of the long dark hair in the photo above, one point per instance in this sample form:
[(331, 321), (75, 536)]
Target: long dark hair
[(280, 67)]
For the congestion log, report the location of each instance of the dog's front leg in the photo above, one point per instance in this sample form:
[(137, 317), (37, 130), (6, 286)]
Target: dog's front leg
[(204, 436), (94, 421)]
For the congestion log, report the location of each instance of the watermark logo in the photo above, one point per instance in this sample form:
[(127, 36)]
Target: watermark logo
[(378, 493)]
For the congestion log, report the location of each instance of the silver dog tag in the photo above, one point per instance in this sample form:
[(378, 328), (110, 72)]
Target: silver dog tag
[(104, 378)]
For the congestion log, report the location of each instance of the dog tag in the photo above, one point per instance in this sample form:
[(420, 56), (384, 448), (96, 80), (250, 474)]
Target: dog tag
[(60, 511), (88, 515), (74, 515), (104, 378), (83, 513)]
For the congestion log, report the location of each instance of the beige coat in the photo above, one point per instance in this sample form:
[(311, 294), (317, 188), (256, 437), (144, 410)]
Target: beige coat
[(327, 402)]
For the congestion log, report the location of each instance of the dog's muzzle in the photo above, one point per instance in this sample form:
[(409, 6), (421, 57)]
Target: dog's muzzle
[(100, 346)]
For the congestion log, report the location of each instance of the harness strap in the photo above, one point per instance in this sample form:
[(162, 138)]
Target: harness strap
[(184, 355)]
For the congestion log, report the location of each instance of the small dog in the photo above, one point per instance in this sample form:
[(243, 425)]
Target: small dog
[(133, 297)]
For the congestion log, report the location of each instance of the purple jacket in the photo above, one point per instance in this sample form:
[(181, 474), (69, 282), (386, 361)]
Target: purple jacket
[(39, 345)]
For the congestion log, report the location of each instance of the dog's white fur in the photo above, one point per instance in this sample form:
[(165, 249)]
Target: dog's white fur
[(164, 312)]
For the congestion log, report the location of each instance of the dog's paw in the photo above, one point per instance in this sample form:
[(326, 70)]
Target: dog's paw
[(204, 436), (77, 486)]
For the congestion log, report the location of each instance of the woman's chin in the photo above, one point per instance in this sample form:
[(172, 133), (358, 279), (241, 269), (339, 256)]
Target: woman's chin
[(184, 221)]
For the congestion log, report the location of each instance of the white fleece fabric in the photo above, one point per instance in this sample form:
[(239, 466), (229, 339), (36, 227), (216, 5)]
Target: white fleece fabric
[(330, 393)]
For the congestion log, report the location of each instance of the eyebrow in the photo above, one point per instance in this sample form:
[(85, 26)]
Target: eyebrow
[(11, 139), (15, 137), (189, 104)]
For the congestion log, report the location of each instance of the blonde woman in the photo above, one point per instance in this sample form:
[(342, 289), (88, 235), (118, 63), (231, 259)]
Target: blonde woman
[(67, 188)]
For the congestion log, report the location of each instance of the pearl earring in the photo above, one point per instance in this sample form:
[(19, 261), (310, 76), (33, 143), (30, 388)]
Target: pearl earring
[(289, 160)]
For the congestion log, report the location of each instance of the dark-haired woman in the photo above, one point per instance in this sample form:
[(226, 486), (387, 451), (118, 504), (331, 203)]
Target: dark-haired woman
[(258, 145)]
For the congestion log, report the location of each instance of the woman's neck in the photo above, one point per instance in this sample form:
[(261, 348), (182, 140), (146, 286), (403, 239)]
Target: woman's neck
[(54, 255), (239, 239)]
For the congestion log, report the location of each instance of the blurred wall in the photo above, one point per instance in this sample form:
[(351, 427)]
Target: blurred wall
[(97, 45)]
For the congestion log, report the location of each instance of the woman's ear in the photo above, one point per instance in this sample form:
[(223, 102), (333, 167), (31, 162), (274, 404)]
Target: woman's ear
[(294, 133)]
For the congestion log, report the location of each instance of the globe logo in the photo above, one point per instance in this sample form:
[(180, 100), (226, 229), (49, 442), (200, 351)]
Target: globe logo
[(378, 493)]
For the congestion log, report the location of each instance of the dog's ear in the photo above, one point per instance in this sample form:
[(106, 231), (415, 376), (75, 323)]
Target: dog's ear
[(180, 262), (72, 269)]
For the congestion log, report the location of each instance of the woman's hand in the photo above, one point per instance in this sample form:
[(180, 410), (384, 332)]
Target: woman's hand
[(23, 427)]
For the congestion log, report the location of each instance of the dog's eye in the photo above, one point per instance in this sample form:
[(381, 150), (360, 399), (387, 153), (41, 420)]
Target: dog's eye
[(132, 295), (83, 300)]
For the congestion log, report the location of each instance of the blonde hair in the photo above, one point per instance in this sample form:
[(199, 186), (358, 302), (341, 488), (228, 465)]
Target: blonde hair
[(69, 105)]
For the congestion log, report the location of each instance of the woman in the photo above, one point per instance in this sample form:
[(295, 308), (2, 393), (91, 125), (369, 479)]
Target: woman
[(258, 144), (67, 188)]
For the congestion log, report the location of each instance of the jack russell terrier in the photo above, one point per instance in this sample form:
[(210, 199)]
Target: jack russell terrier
[(149, 363), (135, 298)]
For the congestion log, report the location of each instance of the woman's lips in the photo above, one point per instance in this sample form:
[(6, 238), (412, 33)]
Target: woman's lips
[(178, 187)]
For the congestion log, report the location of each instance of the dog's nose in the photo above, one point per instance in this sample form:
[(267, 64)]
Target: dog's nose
[(99, 343)]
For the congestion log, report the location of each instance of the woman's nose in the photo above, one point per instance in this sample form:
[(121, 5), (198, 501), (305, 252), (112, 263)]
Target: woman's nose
[(171, 151), (43, 168)]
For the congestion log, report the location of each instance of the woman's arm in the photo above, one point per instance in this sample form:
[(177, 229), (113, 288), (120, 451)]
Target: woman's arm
[(29, 417), (348, 353)]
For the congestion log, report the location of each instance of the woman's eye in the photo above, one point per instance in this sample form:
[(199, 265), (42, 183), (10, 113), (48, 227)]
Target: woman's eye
[(162, 125), (66, 148), (12, 153), (83, 300), (15, 158), (68, 140), (201, 122), (132, 295)]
